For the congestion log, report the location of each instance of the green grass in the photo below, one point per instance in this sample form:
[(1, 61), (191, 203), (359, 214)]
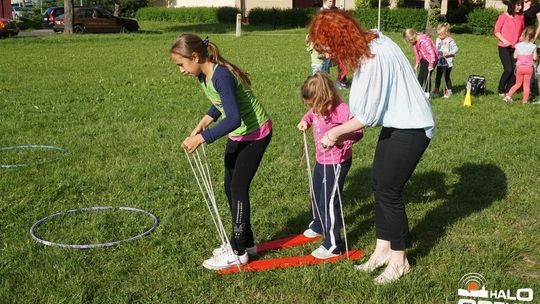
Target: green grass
[(121, 109)]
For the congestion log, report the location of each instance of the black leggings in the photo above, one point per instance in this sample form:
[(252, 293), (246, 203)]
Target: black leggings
[(396, 156), (424, 75), (242, 159), (506, 54), (443, 70)]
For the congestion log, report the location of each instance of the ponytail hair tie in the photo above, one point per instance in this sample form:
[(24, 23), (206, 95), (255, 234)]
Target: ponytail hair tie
[(205, 41)]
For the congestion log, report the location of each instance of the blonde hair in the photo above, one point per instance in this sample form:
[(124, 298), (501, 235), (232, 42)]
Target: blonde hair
[(320, 93), (443, 28), (410, 35), (528, 33), (187, 44)]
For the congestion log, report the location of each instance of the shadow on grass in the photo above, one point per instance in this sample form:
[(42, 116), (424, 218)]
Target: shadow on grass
[(479, 186), (422, 187)]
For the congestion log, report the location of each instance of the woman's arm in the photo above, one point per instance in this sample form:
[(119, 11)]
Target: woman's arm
[(498, 28), (332, 136)]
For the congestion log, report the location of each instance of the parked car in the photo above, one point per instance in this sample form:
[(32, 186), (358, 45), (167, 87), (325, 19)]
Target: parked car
[(50, 16), (8, 27), (18, 11), (97, 20)]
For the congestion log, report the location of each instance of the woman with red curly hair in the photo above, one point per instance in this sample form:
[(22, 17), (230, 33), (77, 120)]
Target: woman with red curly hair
[(384, 92)]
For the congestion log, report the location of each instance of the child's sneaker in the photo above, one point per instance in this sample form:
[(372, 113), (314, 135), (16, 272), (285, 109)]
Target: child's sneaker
[(227, 247), (225, 260), (323, 253), (447, 93), (311, 234), (507, 99)]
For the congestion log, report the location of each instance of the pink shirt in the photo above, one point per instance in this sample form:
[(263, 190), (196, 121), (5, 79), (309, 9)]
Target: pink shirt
[(260, 133), (321, 124), (509, 27), (425, 48)]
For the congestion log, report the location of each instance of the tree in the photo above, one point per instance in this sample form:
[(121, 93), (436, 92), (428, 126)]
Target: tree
[(68, 17)]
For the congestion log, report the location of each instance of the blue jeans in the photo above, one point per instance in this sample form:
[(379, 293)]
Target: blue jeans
[(324, 67)]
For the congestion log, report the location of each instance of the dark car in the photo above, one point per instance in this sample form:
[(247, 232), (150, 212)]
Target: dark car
[(50, 16), (97, 20), (8, 27)]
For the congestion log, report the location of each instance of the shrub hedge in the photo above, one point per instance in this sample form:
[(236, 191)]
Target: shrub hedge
[(481, 21), (295, 17), (393, 20), (189, 14)]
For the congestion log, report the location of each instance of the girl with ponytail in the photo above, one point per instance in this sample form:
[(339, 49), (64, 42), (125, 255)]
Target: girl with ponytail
[(249, 130)]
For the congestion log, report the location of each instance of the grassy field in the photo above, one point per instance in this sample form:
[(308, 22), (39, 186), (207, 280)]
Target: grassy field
[(120, 108)]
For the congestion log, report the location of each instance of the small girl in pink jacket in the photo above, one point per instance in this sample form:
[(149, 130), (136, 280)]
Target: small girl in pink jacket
[(426, 56), (327, 111)]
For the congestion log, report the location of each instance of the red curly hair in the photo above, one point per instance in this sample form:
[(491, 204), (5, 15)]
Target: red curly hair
[(337, 33)]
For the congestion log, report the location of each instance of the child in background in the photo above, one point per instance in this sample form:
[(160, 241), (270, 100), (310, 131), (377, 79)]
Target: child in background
[(327, 111), (249, 131), (525, 54), (318, 61), (425, 54), (447, 49)]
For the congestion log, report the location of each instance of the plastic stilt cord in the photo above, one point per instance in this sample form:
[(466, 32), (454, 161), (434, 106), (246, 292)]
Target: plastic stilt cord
[(287, 262)]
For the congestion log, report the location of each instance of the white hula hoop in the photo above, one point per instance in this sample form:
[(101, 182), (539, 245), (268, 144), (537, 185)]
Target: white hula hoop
[(36, 238), (63, 152)]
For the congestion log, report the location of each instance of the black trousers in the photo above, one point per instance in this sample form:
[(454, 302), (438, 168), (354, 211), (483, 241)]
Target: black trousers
[(443, 70), (507, 80), (424, 75), (242, 159), (396, 156)]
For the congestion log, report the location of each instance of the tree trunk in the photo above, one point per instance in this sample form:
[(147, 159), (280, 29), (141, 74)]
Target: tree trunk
[(68, 17), (117, 9)]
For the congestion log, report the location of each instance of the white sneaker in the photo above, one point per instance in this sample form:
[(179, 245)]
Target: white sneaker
[(311, 234), (252, 251), (225, 260), (447, 94), (323, 254)]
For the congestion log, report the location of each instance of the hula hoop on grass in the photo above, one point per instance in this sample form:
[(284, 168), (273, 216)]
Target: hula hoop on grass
[(45, 147), (36, 238)]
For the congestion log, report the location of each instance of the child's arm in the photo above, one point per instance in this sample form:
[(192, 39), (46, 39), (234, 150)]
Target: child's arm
[(203, 124), (225, 84), (452, 48), (306, 121), (535, 56), (429, 52)]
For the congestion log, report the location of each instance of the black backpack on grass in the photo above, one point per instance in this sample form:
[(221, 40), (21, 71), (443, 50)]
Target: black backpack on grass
[(477, 84)]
